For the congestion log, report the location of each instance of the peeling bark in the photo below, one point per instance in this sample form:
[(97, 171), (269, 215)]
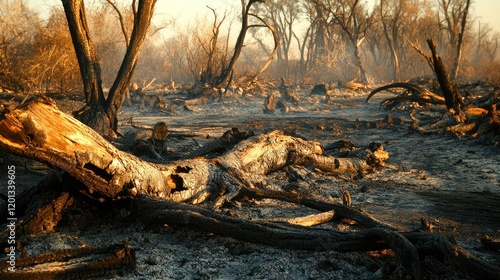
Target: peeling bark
[(40, 131)]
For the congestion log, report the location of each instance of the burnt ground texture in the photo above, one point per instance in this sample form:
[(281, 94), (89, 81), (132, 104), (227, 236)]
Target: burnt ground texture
[(450, 180)]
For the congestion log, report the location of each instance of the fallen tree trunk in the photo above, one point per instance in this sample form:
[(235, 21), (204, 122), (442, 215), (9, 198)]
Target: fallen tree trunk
[(41, 132), (77, 263), (409, 247)]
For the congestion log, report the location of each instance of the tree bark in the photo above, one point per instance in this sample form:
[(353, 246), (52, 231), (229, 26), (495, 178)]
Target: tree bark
[(86, 53), (40, 131), (458, 55), (98, 112), (450, 91)]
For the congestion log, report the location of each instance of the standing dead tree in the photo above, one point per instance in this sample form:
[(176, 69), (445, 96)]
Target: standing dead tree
[(38, 130), (450, 90), (100, 113), (391, 26), (214, 61), (455, 13), (225, 75), (217, 71), (282, 16)]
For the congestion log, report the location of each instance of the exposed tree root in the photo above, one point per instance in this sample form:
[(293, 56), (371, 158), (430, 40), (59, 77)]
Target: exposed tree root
[(413, 93), (410, 247)]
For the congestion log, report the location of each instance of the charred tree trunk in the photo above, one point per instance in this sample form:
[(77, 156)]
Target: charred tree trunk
[(98, 113), (458, 55), (226, 73), (119, 89), (392, 41), (86, 53), (450, 90), (359, 64)]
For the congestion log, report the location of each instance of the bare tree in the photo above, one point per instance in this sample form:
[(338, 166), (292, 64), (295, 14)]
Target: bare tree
[(277, 43), (454, 22), (100, 113), (215, 60), (487, 44), (121, 19), (418, 25), (491, 46), (282, 15), (354, 21), (225, 75), (320, 30), (321, 43), (390, 15)]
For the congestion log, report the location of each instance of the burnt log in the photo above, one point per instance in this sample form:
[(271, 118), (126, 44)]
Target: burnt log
[(76, 263), (413, 93), (40, 131), (409, 247)]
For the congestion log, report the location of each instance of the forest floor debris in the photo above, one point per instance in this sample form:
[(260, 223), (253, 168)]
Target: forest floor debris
[(451, 181)]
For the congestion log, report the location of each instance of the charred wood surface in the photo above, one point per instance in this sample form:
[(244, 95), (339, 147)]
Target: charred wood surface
[(77, 263), (450, 90)]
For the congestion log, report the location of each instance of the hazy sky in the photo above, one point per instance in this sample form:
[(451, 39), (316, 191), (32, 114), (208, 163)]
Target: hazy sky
[(487, 11)]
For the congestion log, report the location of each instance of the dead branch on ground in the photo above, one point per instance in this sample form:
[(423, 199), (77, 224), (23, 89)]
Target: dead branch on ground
[(476, 117)]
